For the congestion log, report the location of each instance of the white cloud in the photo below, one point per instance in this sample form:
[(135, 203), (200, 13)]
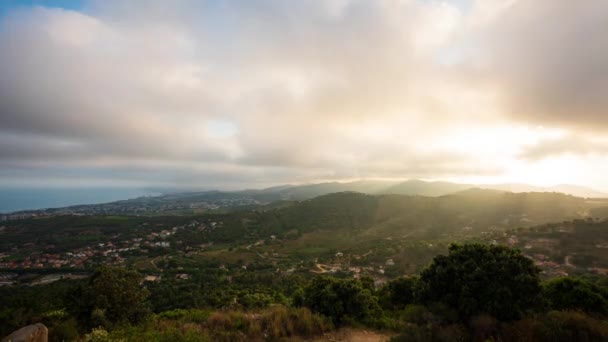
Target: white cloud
[(263, 92)]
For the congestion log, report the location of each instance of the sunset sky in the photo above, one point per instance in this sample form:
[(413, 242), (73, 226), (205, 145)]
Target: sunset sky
[(253, 93)]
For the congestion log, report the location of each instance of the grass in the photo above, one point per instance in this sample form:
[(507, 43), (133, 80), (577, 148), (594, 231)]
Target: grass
[(272, 324)]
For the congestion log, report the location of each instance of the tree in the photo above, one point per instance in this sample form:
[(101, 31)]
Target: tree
[(577, 294), (399, 293), (340, 299), (113, 295), (479, 279)]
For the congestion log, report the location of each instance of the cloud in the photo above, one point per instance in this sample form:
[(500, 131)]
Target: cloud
[(576, 145), (548, 58), (205, 93)]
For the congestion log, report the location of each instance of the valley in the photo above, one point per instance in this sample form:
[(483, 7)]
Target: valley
[(230, 265), (348, 233)]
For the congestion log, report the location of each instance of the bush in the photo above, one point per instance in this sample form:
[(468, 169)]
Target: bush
[(112, 296), (99, 335), (191, 316), (276, 322), (398, 293), (556, 326), (342, 300), (255, 300), (64, 331), (300, 322), (478, 279), (417, 314), (575, 294), (160, 330)]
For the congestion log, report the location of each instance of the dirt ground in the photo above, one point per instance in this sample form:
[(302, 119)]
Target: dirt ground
[(354, 335)]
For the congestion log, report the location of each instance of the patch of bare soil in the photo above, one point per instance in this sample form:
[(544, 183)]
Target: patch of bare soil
[(354, 335)]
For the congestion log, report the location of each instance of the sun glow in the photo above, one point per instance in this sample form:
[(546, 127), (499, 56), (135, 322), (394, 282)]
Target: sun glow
[(546, 172)]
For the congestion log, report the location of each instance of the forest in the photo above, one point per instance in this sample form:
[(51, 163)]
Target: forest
[(475, 292)]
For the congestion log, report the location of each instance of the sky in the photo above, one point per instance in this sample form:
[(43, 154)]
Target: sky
[(194, 94)]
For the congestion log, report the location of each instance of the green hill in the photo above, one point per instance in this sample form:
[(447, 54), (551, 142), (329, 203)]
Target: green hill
[(397, 214)]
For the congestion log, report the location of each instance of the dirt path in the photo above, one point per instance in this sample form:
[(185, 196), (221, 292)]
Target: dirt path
[(567, 261), (354, 335)]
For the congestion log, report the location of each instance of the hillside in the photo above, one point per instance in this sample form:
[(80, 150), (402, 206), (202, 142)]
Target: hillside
[(381, 215), (192, 203), (407, 228), (475, 208)]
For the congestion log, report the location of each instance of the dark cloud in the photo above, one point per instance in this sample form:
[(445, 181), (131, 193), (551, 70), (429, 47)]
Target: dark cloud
[(549, 59)]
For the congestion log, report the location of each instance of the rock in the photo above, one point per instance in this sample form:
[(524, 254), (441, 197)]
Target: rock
[(32, 333)]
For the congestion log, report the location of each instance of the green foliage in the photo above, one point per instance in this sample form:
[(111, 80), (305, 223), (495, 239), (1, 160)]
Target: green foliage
[(475, 279), (342, 300), (112, 296), (159, 331), (258, 287), (417, 314), (65, 330), (22, 305), (474, 293), (186, 316), (398, 293), (255, 300), (575, 294), (99, 335), (283, 322), (298, 298)]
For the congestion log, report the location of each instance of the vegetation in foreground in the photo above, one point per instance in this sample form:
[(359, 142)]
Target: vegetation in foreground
[(475, 293)]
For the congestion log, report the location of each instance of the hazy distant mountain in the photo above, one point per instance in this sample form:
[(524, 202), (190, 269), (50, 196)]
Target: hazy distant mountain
[(422, 188), (300, 192), (419, 187), (188, 201)]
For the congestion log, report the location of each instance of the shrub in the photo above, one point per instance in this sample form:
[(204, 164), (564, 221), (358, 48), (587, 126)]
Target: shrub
[(556, 326), (478, 279), (342, 300), (275, 323), (578, 325), (398, 293), (572, 293), (192, 315), (417, 314), (112, 296), (300, 322), (255, 300), (160, 330), (99, 335), (64, 330)]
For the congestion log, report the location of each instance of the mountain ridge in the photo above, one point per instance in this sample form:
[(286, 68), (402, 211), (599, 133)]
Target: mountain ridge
[(432, 188), (215, 199)]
